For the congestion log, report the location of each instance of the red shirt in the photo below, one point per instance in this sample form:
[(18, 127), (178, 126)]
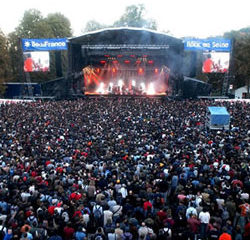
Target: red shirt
[(162, 215), (28, 65), (225, 236), (207, 66), (146, 205), (68, 233)]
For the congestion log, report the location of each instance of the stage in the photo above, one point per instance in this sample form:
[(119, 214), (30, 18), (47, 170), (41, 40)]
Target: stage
[(125, 62)]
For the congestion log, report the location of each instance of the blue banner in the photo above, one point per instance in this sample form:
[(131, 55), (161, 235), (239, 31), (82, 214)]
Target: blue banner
[(44, 44), (216, 44)]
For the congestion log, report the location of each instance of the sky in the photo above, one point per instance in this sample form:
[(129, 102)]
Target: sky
[(182, 18)]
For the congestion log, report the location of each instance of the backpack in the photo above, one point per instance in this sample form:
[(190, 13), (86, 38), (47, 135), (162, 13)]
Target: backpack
[(127, 236), (97, 213), (98, 237)]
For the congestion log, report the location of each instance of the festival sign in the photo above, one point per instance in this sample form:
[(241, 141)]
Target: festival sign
[(44, 44), (216, 44)]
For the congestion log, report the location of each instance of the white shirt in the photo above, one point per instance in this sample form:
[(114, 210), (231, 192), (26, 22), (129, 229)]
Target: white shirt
[(107, 215), (204, 217), (189, 211)]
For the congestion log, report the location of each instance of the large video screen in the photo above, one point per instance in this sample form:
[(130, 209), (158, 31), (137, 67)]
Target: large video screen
[(112, 80), (36, 61), (215, 62)]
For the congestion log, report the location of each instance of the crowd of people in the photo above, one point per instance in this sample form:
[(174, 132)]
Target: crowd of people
[(123, 168)]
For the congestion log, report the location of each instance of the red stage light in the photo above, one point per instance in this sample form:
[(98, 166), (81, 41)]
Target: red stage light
[(102, 61), (113, 70), (127, 61), (106, 56), (150, 61), (119, 56), (97, 70), (115, 62), (138, 61), (140, 70), (156, 70)]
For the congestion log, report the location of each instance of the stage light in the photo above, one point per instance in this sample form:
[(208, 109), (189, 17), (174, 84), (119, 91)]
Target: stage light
[(120, 83), (102, 61), (156, 70), (111, 84), (127, 61), (97, 70), (138, 61), (133, 83), (101, 88), (113, 70), (143, 86), (115, 62), (106, 56), (151, 89), (150, 61), (140, 70)]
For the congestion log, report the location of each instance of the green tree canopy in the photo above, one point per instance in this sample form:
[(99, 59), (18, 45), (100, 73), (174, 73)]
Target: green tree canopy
[(4, 62), (241, 55), (134, 16), (93, 25), (60, 26)]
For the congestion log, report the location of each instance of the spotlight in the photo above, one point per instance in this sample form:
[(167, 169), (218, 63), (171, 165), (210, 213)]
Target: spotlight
[(133, 83), (120, 83), (101, 88), (143, 86), (151, 89), (140, 70)]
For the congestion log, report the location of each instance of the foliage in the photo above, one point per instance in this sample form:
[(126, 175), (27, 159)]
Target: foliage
[(4, 62), (241, 55), (93, 25), (134, 17)]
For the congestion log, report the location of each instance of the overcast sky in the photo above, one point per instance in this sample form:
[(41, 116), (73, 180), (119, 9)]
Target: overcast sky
[(198, 18)]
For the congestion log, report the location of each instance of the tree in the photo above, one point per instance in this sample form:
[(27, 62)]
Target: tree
[(134, 17), (60, 26), (4, 62), (93, 25), (240, 56)]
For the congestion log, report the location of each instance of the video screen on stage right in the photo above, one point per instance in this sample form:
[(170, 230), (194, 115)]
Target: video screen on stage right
[(215, 62)]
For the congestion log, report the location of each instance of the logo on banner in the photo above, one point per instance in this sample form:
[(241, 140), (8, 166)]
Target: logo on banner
[(44, 44), (219, 45)]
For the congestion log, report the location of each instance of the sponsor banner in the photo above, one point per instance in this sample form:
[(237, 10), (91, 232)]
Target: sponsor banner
[(217, 45), (44, 44)]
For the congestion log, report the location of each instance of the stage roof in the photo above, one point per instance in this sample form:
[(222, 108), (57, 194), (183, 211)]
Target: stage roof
[(126, 35)]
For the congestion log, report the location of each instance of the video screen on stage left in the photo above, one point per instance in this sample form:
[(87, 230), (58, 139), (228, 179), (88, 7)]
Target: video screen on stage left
[(104, 80), (215, 62), (36, 61)]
